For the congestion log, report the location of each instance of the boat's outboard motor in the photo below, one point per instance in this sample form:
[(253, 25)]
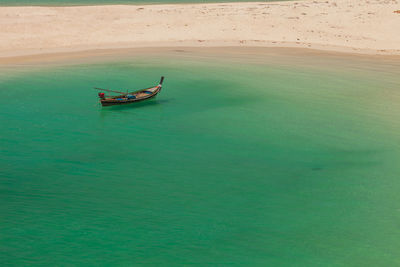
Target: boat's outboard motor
[(102, 95)]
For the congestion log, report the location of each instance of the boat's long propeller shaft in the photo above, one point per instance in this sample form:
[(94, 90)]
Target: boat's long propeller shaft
[(125, 93), (108, 90)]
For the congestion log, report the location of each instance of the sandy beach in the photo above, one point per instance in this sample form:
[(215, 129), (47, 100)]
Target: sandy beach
[(366, 27)]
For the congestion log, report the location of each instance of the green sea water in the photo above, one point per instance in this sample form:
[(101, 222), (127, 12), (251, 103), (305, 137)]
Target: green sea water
[(109, 2), (269, 159)]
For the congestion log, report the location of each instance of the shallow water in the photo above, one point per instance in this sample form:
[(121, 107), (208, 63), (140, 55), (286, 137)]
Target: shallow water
[(109, 2), (254, 160)]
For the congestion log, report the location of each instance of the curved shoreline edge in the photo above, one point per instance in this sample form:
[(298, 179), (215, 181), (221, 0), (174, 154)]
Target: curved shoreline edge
[(356, 27)]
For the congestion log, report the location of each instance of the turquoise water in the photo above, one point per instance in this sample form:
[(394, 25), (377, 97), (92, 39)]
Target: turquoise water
[(252, 160), (108, 2)]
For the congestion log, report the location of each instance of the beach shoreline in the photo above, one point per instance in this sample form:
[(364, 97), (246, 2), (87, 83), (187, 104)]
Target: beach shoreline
[(228, 52), (335, 26)]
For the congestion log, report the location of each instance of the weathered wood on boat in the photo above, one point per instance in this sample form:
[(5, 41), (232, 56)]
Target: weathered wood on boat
[(129, 97)]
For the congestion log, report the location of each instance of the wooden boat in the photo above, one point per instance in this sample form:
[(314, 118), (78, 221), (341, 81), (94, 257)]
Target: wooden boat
[(129, 97)]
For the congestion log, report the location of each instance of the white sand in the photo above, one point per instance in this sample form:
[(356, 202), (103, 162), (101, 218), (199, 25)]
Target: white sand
[(359, 26)]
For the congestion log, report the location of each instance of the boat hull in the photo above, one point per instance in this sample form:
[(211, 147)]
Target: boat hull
[(113, 102)]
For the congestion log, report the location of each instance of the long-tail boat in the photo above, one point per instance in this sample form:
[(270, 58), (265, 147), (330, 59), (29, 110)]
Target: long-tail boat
[(129, 97)]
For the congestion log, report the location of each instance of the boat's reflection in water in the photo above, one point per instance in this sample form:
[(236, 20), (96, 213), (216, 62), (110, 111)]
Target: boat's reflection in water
[(128, 108)]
